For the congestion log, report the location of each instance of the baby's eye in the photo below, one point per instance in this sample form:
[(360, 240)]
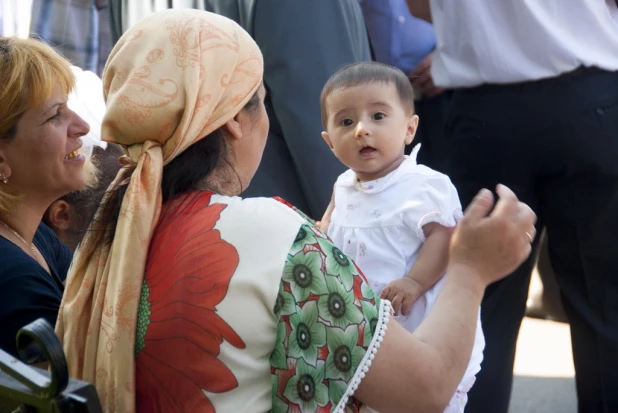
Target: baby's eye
[(379, 116), (346, 122)]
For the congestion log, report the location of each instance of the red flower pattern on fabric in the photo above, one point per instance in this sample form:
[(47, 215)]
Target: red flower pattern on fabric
[(179, 332)]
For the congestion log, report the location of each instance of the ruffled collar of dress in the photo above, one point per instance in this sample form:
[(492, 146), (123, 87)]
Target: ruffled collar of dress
[(349, 179)]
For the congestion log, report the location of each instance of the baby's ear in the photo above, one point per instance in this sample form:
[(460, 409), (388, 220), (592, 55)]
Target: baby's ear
[(412, 128), (327, 140)]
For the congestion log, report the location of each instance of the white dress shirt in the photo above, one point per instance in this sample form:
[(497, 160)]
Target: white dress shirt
[(509, 41)]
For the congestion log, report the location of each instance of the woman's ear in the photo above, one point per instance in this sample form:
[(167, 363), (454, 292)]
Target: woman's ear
[(234, 126)]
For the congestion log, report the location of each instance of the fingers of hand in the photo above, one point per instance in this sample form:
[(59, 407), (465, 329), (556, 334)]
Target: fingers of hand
[(426, 62), (525, 220), (480, 206), (507, 206), (526, 216), (385, 293), (418, 70), (396, 302), (422, 80), (432, 91), (406, 305)]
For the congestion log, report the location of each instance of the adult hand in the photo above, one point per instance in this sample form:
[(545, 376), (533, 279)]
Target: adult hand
[(422, 80), (494, 244)]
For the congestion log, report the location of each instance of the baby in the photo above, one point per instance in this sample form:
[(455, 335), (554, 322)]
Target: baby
[(393, 216)]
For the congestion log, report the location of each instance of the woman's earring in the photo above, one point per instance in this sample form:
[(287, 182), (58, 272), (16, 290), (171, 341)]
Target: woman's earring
[(4, 178)]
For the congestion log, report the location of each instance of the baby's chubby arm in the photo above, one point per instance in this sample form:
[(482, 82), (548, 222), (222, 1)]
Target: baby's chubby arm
[(426, 272)]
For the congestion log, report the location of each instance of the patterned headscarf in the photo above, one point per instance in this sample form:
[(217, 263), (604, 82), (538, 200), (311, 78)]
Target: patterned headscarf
[(172, 79)]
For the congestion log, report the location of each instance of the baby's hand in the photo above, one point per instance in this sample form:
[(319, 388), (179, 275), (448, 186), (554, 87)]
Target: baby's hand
[(402, 293)]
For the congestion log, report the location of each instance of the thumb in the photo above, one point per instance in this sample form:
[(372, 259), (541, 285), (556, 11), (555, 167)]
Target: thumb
[(480, 206)]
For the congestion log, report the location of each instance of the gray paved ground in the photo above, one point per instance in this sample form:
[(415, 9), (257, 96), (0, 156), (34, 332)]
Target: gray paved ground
[(544, 375)]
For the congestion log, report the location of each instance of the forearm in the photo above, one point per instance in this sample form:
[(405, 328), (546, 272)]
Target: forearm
[(450, 328), (432, 260), (420, 9), (420, 371)]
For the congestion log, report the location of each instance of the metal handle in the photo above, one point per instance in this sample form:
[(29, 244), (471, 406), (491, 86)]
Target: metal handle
[(32, 340)]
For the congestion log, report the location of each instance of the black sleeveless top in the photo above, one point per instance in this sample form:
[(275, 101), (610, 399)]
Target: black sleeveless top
[(27, 290)]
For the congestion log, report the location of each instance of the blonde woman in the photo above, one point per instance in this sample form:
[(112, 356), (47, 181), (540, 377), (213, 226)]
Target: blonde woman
[(39, 140)]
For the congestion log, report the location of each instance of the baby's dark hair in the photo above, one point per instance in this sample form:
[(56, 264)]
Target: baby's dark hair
[(363, 73)]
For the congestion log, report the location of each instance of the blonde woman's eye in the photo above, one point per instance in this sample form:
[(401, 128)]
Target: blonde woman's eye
[(55, 117)]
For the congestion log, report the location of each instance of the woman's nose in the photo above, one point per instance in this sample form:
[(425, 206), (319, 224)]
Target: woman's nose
[(80, 127)]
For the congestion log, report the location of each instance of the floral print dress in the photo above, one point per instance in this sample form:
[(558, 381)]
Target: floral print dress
[(246, 306)]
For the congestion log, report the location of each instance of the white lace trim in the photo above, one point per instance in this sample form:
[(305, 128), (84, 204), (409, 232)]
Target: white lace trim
[(384, 314)]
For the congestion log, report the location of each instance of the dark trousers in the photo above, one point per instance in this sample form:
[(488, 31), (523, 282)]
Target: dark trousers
[(555, 143), (432, 113)]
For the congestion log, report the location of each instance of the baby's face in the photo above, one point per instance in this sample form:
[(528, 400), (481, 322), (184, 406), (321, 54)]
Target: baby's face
[(368, 128)]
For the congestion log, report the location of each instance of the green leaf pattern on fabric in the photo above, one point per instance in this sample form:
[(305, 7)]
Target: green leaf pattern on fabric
[(278, 357), (304, 273), (337, 305), (371, 315), (327, 316), (308, 334), (303, 238), (338, 264), (306, 388), (344, 353), (286, 304)]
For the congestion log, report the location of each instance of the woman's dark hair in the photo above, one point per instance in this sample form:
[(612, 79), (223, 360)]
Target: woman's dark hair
[(182, 175), (191, 167)]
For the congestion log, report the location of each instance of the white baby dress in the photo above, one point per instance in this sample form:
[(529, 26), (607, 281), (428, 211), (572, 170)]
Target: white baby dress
[(380, 225)]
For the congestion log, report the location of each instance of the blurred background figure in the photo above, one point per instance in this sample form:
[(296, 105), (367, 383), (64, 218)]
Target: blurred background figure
[(125, 13), (78, 29)]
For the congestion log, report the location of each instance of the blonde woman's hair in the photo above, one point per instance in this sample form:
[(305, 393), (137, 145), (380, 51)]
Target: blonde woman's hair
[(29, 71)]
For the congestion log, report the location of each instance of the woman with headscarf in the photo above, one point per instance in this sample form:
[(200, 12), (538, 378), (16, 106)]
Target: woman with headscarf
[(186, 298), (40, 161)]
